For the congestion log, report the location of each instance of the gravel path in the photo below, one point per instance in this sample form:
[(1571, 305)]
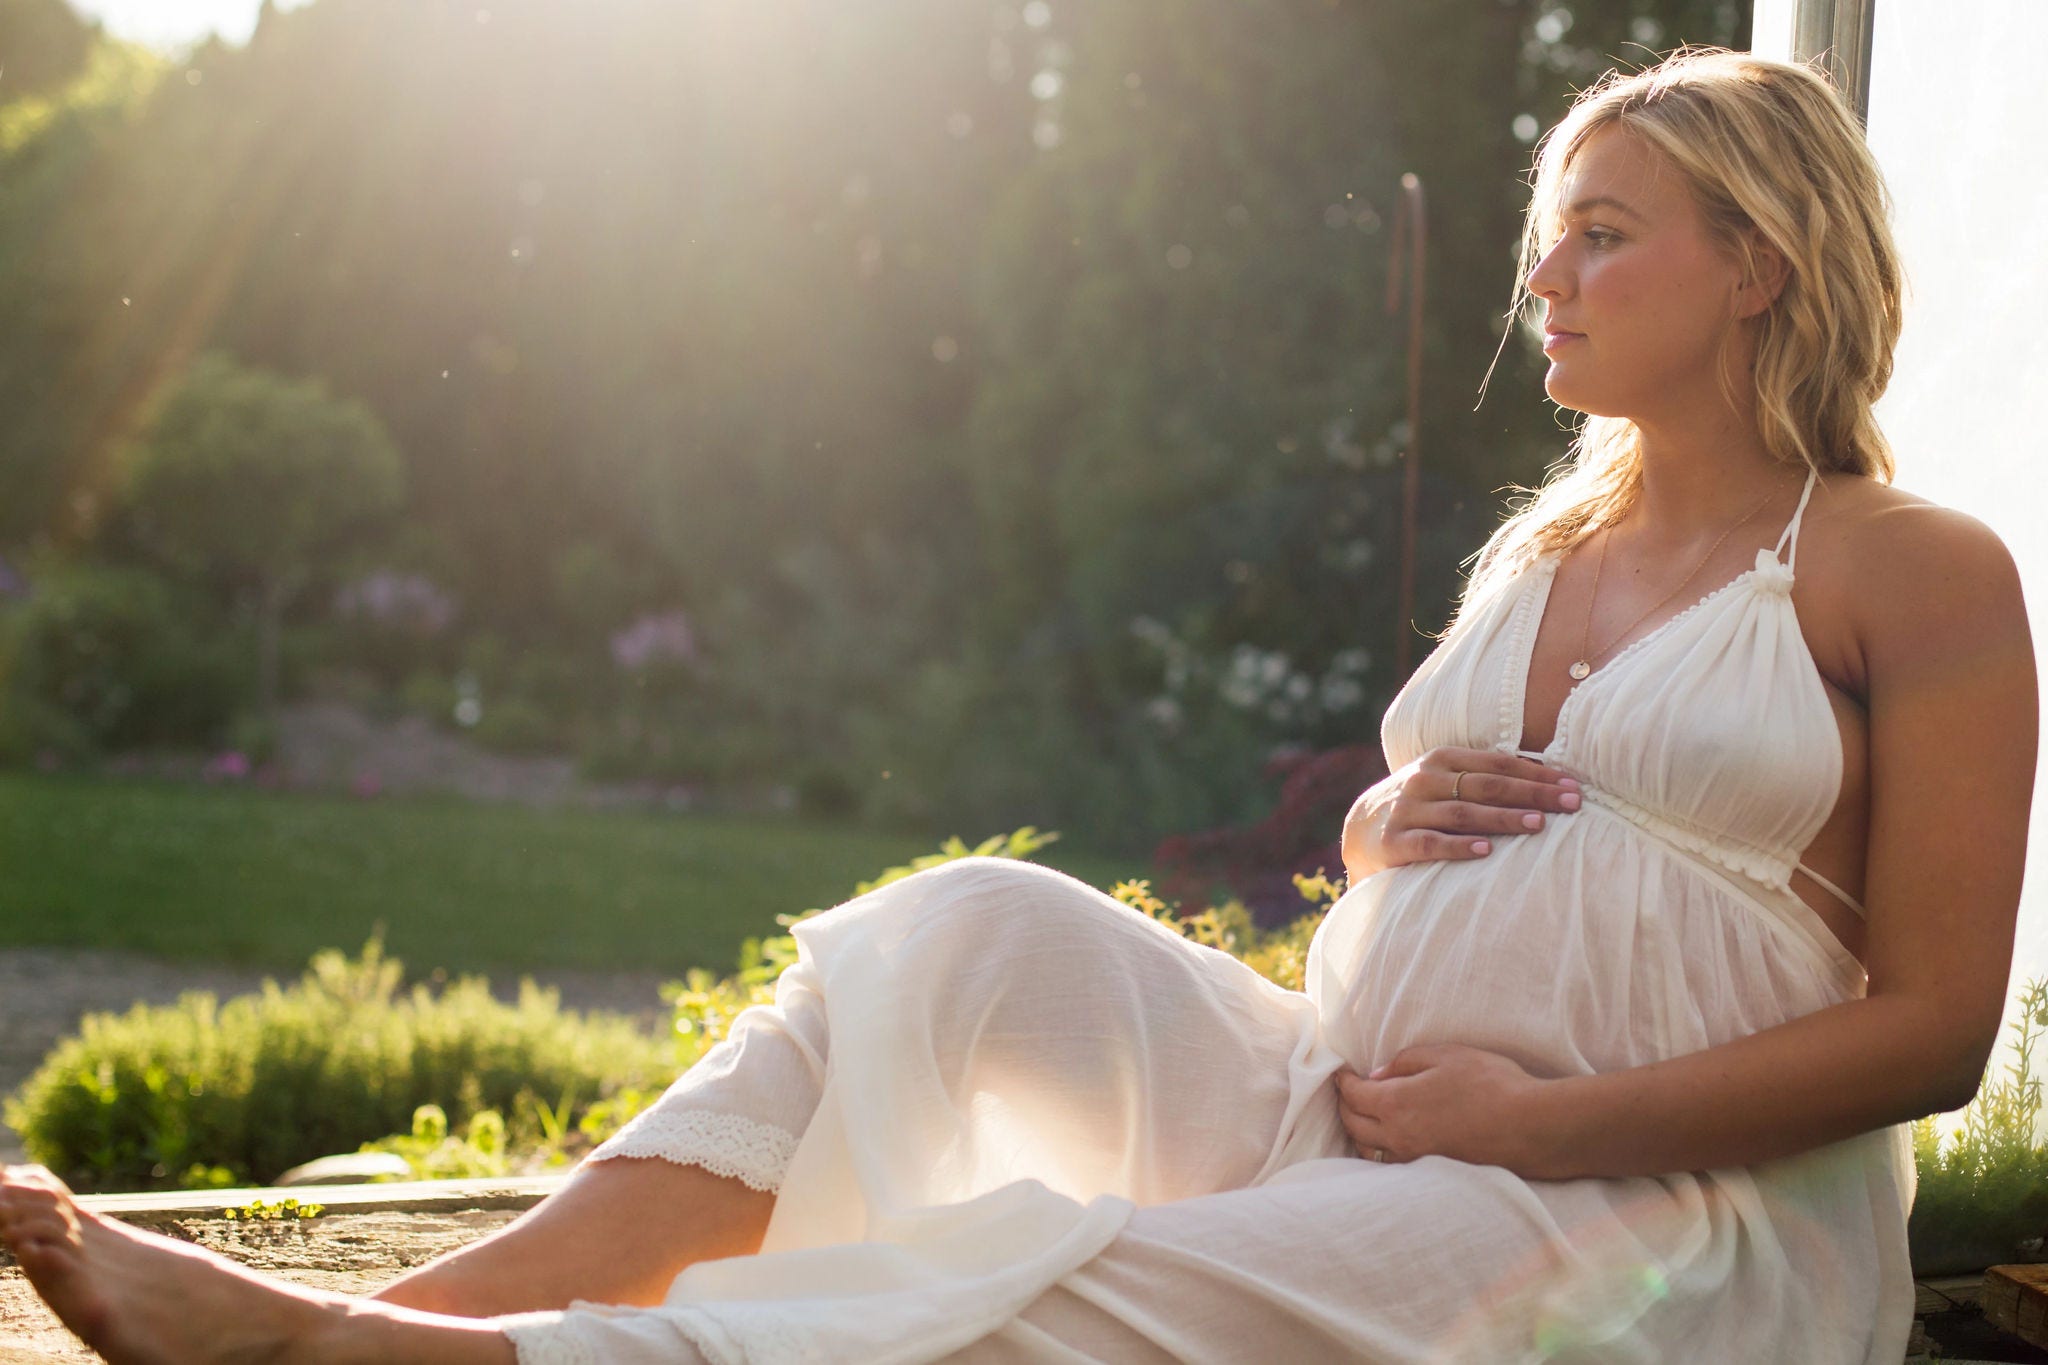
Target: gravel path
[(44, 992)]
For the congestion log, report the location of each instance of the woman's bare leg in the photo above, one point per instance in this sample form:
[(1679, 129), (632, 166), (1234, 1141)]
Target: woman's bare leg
[(141, 1299), (618, 1232)]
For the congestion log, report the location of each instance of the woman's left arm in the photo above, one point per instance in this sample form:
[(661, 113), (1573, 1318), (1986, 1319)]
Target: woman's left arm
[(1948, 663)]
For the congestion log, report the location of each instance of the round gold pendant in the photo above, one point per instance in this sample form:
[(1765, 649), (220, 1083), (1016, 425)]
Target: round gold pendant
[(1579, 670)]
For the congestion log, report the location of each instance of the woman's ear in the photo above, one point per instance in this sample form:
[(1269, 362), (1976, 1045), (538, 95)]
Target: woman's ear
[(1766, 280)]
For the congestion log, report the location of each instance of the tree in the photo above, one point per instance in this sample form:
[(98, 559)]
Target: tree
[(251, 483), (922, 375), (43, 43)]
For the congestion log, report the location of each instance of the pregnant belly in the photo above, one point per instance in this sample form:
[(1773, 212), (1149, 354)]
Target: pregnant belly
[(1519, 952)]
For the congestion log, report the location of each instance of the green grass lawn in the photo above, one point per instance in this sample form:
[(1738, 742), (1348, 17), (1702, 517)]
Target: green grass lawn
[(243, 876)]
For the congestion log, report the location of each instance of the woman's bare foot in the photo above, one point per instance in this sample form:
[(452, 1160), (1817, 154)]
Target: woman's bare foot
[(136, 1297)]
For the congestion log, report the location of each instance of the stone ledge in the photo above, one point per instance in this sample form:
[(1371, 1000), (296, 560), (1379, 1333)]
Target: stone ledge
[(155, 1207), (364, 1237)]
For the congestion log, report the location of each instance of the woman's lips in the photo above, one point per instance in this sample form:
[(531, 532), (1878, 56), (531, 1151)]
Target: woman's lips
[(1553, 340)]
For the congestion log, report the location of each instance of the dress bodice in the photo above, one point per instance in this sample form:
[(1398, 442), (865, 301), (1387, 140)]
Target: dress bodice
[(1712, 733)]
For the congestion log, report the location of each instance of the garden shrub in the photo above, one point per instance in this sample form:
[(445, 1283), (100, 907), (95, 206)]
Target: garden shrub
[(101, 657), (260, 1083), (1259, 862), (1983, 1197), (434, 1153)]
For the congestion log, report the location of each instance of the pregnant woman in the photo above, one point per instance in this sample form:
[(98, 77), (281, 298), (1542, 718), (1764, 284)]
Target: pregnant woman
[(1694, 882)]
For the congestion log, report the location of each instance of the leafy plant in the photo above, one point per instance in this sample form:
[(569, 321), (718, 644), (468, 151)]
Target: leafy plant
[(436, 1154), (263, 1082), (1983, 1195), (278, 1210), (1279, 955)]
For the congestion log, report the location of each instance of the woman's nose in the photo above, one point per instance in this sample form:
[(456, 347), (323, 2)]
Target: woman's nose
[(1546, 277)]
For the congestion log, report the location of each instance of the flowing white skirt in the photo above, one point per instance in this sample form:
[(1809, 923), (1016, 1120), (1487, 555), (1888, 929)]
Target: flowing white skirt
[(1010, 1119)]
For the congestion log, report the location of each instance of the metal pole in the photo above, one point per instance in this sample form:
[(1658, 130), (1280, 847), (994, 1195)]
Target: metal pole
[(1835, 31), (1410, 224)]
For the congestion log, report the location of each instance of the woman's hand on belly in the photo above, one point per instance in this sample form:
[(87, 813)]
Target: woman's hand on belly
[(1409, 817), (1446, 1099)]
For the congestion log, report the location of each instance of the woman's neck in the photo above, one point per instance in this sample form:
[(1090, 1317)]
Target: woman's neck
[(1698, 477), (1703, 456)]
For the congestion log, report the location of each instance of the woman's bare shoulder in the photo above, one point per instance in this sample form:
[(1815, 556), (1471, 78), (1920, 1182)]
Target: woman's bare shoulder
[(1904, 576), (1883, 534)]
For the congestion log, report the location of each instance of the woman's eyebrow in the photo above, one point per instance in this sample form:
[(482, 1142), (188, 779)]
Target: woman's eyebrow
[(1606, 201)]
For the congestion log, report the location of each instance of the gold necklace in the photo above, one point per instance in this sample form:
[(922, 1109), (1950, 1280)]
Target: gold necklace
[(1579, 668)]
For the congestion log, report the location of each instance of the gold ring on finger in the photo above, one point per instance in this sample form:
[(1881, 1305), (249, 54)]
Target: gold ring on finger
[(1455, 780)]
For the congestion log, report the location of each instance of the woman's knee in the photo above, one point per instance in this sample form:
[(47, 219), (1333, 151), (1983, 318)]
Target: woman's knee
[(1000, 905)]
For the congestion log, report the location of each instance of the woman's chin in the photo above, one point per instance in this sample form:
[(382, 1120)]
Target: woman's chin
[(1575, 396), (1564, 393)]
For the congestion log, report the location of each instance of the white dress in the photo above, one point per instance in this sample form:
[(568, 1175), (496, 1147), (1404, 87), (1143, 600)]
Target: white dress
[(1010, 1120)]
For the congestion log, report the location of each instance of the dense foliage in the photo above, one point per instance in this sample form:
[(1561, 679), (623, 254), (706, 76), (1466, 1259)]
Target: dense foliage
[(211, 1093), (1983, 1194), (250, 486), (111, 656), (1011, 415)]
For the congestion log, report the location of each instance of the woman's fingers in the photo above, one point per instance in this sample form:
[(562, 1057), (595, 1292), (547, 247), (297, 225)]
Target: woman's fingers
[(1493, 789), (1478, 764), (1429, 845), (1471, 817), (1368, 1135), (1462, 817), (1455, 801)]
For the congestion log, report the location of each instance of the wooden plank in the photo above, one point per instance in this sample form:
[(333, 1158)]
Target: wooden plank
[(2016, 1301)]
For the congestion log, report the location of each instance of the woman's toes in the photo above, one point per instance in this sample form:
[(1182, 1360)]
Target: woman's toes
[(40, 1227), (26, 1203), (29, 1187), (36, 1213)]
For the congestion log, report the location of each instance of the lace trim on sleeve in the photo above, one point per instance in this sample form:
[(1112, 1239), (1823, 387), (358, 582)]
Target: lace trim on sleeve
[(546, 1339), (579, 1337), (754, 1153)]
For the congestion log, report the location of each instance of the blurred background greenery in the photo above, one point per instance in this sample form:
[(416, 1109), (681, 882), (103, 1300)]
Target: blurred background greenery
[(919, 417)]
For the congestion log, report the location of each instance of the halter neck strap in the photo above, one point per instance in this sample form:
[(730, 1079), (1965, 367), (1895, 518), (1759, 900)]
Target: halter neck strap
[(1789, 537)]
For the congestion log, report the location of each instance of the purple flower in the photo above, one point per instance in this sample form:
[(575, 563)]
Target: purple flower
[(402, 601), (655, 639), (233, 765)]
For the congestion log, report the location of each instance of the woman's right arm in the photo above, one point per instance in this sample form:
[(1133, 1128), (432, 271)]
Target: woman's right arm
[(1409, 816)]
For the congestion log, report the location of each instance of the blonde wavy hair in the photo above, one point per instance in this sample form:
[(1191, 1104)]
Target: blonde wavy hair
[(1760, 144)]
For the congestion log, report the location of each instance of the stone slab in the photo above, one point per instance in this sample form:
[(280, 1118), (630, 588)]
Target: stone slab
[(351, 1250)]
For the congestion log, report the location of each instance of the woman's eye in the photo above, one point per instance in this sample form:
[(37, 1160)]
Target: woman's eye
[(1601, 237)]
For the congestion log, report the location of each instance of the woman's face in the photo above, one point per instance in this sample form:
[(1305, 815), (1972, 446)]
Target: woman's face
[(1637, 301)]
